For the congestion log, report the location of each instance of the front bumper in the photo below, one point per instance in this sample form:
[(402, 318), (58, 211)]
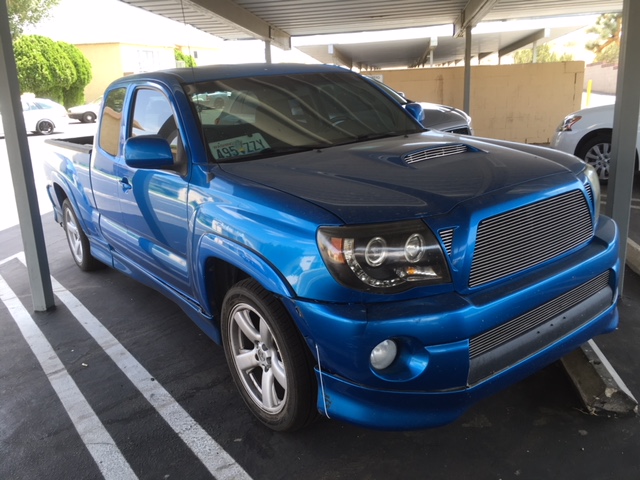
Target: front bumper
[(566, 141), (455, 350)]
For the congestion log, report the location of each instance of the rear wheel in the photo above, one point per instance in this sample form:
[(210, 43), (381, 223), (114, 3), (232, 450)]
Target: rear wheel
[(45, 127), (88, 117), (267, 357), (597, 153), (77, 240)]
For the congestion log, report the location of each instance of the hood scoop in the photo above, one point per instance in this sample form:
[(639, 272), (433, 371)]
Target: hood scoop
[(437, 152)]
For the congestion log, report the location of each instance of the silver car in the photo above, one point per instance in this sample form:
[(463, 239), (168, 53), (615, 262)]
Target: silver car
[(434, 116)]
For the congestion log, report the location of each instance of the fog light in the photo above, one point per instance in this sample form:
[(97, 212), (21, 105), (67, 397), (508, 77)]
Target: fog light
[(383, 354)]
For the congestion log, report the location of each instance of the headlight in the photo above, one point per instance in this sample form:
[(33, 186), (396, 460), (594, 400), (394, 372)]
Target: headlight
[(592, 177), (383, 258), (568, 122)]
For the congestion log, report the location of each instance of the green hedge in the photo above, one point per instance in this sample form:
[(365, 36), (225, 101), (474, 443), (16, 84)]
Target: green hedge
[(49, 69)]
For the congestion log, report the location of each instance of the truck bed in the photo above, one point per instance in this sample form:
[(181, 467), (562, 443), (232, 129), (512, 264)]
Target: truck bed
[(78, 144)]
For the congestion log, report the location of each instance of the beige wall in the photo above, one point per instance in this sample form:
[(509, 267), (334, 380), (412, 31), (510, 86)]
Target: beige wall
[(604, 78), (106, 64), (111, 61), (523, 103)]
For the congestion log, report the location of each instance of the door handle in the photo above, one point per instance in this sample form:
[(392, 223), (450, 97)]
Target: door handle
[(126, 186)]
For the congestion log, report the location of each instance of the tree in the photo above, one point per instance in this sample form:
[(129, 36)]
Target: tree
[(607, 45), (74, 95), (188, 60), (49, 69), (544, 55), (23, 13)]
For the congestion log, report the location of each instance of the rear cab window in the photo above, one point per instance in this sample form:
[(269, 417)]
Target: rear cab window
[(111, 122)]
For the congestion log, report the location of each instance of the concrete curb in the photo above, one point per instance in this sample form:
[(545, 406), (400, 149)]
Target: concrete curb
[(633, 256), (601, 389)]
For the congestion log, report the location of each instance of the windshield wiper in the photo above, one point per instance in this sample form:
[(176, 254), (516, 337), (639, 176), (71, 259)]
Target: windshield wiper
[(274, 152), (373, 136)]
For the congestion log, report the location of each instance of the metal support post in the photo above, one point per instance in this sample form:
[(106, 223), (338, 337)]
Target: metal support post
[(467, 70), (22, 172), (625, 127)]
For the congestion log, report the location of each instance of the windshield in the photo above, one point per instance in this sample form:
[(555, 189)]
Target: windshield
[(245, 118)]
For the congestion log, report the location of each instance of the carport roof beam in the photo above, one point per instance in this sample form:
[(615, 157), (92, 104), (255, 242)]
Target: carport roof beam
[(225, 12), (232, 14), (523, 42), (471, 15), (339, 57)]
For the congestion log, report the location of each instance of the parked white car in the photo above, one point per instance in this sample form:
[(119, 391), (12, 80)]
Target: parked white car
[(86, 113), (587, 134), (42, 116)]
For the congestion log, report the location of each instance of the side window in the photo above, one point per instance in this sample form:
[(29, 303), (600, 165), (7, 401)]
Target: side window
[(112, 121), (152, 115)]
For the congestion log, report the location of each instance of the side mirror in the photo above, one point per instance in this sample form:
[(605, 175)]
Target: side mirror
[(416, 111), (148, 151)]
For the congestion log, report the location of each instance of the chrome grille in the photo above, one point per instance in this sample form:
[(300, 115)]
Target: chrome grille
[(435, 152), (447, 239), (522, 238), (587, 187), (532, 319)]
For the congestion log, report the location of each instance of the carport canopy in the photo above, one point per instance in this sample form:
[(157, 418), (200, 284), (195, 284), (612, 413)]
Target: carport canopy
[(276, 22)]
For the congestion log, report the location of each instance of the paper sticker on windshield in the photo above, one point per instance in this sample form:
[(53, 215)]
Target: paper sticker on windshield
[(238, 146)]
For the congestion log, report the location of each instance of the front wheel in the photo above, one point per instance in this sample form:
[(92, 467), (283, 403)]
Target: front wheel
[(597, 153), (269, 362), (77, 239)]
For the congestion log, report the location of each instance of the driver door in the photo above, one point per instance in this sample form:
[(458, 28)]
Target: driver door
[(154, 201)]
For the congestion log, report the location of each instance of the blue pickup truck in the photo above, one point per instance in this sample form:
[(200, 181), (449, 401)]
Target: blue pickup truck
[(350, 261)]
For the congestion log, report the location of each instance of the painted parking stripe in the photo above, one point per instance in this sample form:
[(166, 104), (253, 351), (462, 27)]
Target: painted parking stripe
[(100, 444), (219, 463)]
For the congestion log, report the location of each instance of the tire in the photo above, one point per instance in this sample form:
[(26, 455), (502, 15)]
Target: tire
[(45, 127), (265, 351), (88, 117), (597, 153), (77, 240)]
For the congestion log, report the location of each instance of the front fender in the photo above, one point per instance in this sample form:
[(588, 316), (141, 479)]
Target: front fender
[(214, 246)]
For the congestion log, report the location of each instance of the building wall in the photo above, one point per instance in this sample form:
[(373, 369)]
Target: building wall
[(523, 103), (604, 78), (111, 61)]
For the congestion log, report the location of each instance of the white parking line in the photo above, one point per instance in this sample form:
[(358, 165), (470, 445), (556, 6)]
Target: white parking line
[(101, 446), (219, 463)]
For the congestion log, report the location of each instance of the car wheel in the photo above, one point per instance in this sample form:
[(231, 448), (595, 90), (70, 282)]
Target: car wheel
[(77, 240), (88, 117), (597, 153), (269, 362), (45, 127)]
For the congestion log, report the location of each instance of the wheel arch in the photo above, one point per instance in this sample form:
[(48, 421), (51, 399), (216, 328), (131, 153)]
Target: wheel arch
[(589, 136), (60, 194), (601, 131), (221, 263)]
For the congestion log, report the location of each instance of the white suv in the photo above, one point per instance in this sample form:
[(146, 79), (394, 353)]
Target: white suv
[(587, 134)]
